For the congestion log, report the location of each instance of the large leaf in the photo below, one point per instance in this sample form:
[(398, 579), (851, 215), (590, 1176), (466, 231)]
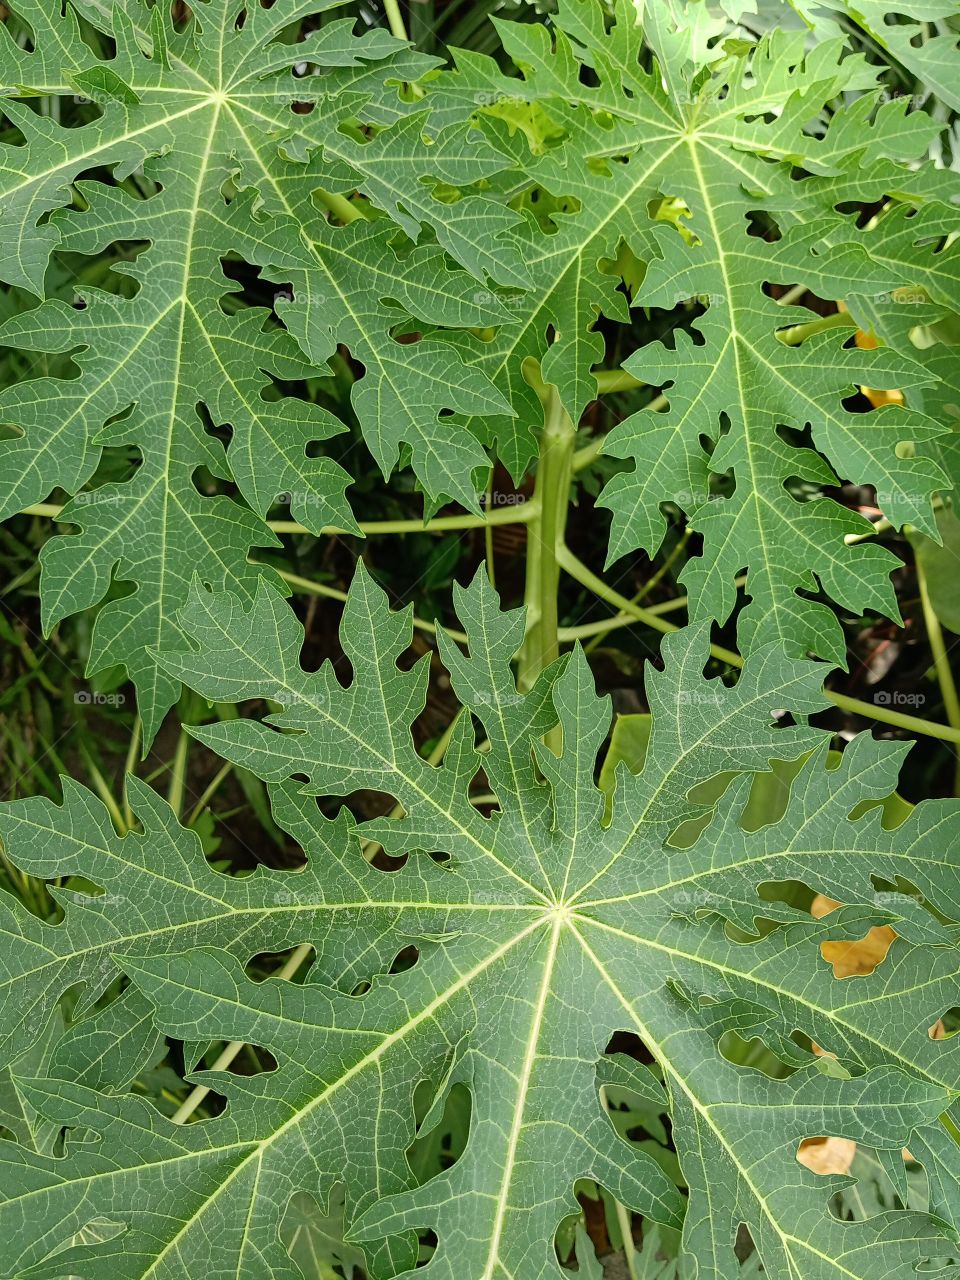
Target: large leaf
[(191, 114), (695, 171), (540, 934)]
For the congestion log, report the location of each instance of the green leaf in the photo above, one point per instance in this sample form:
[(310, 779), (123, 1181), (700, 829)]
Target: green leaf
[(182, 117), (732, 370), (549, 189), (540, 934), (698, 170), (314, 1239), (352, 286), (154, 887), (925, 41)]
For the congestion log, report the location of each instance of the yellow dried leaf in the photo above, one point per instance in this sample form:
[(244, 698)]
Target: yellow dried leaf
[(859, 957), (827, 1155)]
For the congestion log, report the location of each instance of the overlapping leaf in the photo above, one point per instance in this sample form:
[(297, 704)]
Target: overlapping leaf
[(696, 172), (540, 934), (609, 154), (347, 284), (913, 236), (187, 114), (922, 36)]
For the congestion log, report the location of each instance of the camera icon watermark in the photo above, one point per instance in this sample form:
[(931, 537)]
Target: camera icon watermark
[(689, 698), (98, 497), (897, 698), (93, 698), (902, 296)]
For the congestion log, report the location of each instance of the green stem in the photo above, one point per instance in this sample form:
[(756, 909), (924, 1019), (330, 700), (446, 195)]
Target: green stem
[(913, 724), (339, 206), (130, 766), (941, 663), (880, 526), (488, 537), (616, 380), (519, 513), (395, 19), (104, 791), (792, 295), (626, 1230), (589, 453), (645, 590), (624, 1219), (212, 787), (541, 644), (178, 775), (569, 634)]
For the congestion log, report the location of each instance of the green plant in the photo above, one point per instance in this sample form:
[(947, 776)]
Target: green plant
[(260, 253)]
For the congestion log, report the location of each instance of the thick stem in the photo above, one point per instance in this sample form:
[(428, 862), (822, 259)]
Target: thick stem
[(178, 775), (488, 537), (519, 513), (797, 333), (941, 663), (395, 19), (339, 206), (130, 766), (616, 380), (541, 644)]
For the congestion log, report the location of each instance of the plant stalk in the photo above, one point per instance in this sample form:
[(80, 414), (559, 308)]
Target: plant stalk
[(339, 206), (395, 19), (941, 664), (541, 643), (798, 333), (519, 513), (178, 776), (616, 380)]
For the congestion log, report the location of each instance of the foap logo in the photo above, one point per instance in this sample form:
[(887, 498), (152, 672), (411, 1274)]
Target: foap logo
[(901, 297), (894, 900), (312, 701), (98, 497), (488, 698), (699, 698), (898, 698), (300, 497), (496, 499), (94, 698), (497, 98)]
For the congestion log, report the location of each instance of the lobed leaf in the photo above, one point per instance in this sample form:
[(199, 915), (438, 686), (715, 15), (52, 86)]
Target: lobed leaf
[(542, 932)]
